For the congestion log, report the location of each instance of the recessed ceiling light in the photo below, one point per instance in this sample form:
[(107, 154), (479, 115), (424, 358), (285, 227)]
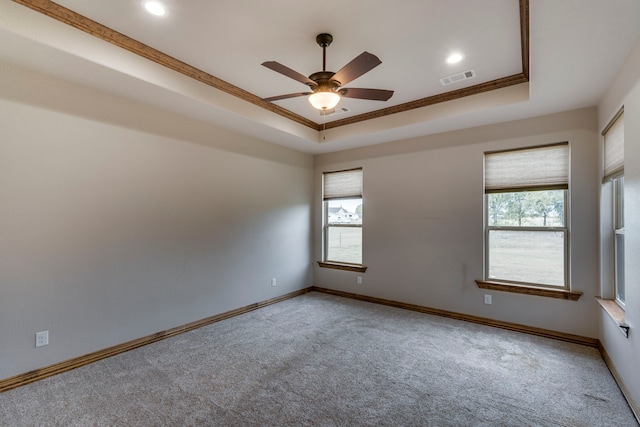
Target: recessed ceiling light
[(155, 8), (454, 58)]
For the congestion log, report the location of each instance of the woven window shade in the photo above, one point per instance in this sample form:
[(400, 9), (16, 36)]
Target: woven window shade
[(614, 149), (342, 185), (537, 168)]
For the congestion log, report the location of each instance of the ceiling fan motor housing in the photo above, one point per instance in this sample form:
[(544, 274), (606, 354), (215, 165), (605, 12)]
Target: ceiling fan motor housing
[(323, 80)]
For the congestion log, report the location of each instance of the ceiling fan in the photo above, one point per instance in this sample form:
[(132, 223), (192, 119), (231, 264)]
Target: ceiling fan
[(327, 86)]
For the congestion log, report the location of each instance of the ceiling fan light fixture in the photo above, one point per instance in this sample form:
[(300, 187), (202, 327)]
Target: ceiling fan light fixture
[(324, 100)]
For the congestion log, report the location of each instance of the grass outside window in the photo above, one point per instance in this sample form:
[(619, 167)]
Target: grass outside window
[(527, 256)]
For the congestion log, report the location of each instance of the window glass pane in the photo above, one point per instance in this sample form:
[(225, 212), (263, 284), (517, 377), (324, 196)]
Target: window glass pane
[(526, 209), (348, 211), (527, 256), (619, 202), (344, 244), (619, 267)]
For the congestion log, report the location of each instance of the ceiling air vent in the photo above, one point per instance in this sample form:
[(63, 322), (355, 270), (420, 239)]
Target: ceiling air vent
[(454, 78)]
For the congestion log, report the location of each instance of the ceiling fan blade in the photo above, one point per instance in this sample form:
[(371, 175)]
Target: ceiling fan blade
[(284, 70), (287, 96), (357, 67), (372, 94)]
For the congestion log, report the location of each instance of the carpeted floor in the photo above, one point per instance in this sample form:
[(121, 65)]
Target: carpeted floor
[(321, 360)]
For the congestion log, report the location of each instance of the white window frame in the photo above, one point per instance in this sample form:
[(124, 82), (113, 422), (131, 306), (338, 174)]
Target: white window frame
[(327, 230), (564, 229), (352, 194), (618, 234), (613, 172)]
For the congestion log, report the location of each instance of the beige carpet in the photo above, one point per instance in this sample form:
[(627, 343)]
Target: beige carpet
[(321, 360)]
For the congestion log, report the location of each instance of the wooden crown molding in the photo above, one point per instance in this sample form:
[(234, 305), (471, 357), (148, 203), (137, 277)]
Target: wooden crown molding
[(102, 32), (431, 100), (89, 26), (524, 36)]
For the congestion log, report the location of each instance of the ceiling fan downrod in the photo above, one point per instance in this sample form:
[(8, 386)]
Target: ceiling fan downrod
[(324, 40)]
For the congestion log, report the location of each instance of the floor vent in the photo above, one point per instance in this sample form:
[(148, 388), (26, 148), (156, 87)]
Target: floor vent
[(454, 78)]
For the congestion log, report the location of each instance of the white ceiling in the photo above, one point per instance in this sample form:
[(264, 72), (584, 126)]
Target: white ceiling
[(576, 48)]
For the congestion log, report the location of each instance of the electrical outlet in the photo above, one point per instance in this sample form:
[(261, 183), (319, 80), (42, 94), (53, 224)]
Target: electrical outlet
[(487, 299), (359, 280), (273, 281), (42, 338)]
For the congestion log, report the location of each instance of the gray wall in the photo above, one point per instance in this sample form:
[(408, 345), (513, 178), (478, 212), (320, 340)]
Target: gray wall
[(625, 352), (423, 221), (118, 220)]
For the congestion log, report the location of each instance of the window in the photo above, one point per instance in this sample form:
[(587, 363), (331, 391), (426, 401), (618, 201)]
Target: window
[(618, 238), (614, 173), (342, 198), (526, 231)]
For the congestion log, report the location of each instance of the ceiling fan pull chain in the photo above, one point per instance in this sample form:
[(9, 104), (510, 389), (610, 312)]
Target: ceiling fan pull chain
[(324, 124)]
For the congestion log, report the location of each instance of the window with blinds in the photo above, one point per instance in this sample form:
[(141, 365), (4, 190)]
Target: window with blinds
[(614, 148), (537, 168), (342, 185), (613, 174), (526, 232), (343, 214)]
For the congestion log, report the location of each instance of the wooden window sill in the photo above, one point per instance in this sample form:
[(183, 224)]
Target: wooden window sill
[(616, 313), (529, 290), (346, 267)]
